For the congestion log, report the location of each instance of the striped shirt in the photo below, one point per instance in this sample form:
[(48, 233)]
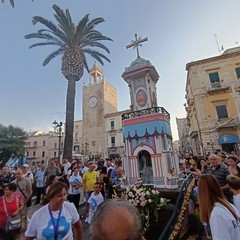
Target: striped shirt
[(220, 172)]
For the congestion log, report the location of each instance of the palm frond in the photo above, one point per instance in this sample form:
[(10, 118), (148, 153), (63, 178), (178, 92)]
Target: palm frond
[(82, 23), (12, 3), (85, 62), (44, 44), (97, 55), (49, 24), (45, 36), (65, 23), (53, 55), (96, 44)]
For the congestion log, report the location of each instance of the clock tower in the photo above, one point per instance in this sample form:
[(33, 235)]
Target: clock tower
[(99, 98)]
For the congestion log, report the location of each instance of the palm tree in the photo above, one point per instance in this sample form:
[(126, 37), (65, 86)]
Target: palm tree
[(74, 42), (12, 141)]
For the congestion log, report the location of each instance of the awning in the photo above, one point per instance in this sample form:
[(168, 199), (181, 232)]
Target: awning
[(228, 138)]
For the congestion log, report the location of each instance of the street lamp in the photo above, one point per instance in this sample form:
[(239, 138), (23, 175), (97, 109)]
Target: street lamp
[(58, 130)]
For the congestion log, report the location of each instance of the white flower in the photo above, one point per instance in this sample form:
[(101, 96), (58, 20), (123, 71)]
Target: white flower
[(147, 193), (130, 194), (143, 194), (149, 200), (162, 200), (153, 191), (142, 198)]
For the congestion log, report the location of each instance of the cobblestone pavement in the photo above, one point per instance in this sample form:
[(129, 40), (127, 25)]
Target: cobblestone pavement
[(81, 212)]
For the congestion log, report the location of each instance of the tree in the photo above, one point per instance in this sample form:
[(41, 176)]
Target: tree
[(12, 141), (75, 43)]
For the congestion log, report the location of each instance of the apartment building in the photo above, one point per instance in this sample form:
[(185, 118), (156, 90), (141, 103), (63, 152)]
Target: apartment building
[(213, 101)]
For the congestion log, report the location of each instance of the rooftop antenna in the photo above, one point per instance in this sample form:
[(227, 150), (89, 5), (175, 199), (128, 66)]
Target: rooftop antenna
[(217, 43)]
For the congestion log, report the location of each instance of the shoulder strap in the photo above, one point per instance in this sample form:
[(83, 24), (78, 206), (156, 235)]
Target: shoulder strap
[(4, 205), (21, 191)]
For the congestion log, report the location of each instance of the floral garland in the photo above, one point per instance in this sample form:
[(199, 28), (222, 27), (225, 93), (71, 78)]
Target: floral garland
[(146, 198), (177, 227)]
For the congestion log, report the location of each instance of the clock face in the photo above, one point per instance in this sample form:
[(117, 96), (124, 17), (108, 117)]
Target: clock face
[(92, 102)]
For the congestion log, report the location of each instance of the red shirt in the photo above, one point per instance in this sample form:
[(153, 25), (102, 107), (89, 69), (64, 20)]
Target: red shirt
[(11, 208)]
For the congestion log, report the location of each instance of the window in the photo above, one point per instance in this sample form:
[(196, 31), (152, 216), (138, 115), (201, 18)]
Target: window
[(222, 111), (35, 144), (76, 149), (34, 154), (113, 141), (214, 77), (238, 72), (55, 145), (44, 143), (112, 125), (28, 144), (55, 154), (43, 153), (214, 80), (27, 154), (76, 137), (93, 143)]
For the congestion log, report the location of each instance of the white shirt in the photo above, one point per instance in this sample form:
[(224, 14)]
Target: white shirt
[(93, 202), (84, 169), (41, 226), (223, 224), (236, 201), (66, 166), (74, 179), (28, 175)]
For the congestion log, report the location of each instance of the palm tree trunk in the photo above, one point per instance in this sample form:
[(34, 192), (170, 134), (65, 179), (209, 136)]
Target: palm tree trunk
[(70, 102)]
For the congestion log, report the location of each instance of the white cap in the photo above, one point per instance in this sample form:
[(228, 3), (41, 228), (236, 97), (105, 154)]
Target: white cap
[(25, 165)]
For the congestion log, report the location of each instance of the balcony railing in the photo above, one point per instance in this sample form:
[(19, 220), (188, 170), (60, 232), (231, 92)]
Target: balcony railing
[(145, 112), (222, 123), (218, 86)]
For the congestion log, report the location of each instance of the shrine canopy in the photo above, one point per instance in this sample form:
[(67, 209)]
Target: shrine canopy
[(150, 128)]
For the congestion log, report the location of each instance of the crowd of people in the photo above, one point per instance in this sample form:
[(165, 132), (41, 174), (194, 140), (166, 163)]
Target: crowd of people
[(76, 182), (217, 187), (61, 188)]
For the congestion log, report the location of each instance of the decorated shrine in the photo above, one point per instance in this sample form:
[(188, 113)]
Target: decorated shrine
[(146, 129)]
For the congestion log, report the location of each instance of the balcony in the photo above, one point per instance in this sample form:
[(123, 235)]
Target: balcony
[(226, 122), (217, 86), (145, 112)]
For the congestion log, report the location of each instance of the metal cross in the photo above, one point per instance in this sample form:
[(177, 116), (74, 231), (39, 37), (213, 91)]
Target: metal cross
[(136, 43)]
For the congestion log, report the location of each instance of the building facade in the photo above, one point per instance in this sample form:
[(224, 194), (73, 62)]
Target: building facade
[(183, 134), (213, 101)]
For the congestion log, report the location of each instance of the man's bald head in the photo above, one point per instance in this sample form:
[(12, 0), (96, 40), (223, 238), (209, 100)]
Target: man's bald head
[(116, 219)]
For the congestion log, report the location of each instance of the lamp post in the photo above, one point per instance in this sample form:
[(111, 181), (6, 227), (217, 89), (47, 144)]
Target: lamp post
[(58, 130)]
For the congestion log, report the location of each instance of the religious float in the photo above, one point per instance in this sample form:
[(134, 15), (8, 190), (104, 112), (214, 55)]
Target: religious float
[(149, 157)]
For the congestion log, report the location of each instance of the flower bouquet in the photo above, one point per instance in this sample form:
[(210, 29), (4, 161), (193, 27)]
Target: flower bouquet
[(147, 199)]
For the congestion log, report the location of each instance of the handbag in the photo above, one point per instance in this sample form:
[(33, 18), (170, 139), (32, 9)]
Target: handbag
[(13, 222)]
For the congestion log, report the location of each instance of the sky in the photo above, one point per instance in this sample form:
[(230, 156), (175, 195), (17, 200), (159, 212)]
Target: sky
[(178, 31)]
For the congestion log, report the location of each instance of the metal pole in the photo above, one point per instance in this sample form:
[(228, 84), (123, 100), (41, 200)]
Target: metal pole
[(59, 147)]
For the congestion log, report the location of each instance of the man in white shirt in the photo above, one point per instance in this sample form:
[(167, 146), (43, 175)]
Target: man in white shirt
[(66, 166)]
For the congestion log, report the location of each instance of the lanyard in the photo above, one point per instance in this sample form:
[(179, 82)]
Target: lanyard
[(55, 226)]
